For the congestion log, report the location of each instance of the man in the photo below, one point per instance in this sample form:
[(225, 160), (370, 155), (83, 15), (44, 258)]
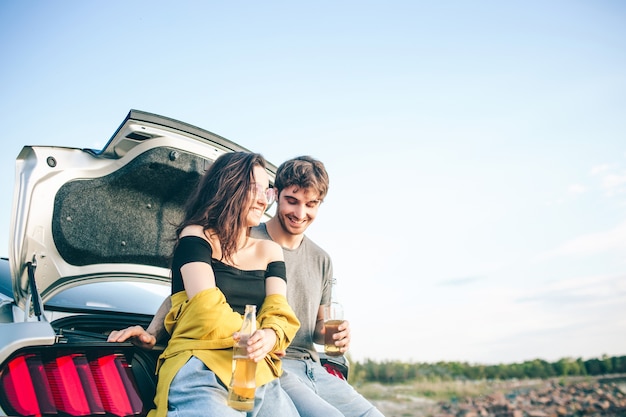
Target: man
[(302, 184)]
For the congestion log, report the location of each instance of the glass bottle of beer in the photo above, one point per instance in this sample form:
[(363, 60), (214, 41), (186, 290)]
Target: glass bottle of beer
[(333, 317), (242, 384)]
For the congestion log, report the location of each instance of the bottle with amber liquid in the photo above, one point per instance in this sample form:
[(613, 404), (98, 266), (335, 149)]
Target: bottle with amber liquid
[(333, 317), (242, 384)]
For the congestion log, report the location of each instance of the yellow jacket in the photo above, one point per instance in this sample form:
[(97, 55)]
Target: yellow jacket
[(203, 327)]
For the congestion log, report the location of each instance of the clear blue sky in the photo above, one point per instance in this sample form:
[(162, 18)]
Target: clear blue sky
[(477, 150)]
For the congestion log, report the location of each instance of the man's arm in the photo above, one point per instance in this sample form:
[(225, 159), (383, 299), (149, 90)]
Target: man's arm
[(145, 338), (318, 335)]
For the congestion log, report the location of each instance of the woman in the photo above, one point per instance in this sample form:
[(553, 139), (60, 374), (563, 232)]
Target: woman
[(217, 269)]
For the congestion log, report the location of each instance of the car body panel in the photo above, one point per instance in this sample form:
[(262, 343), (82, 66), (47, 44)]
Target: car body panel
[(24, 334)]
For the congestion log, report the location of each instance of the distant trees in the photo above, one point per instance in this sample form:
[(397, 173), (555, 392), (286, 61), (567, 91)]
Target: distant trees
[(396, 371)]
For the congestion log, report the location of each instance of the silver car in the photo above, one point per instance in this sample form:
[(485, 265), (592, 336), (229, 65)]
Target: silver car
[(89, 252)]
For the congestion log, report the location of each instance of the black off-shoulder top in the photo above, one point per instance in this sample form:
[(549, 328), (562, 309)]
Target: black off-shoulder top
[(240, 287)]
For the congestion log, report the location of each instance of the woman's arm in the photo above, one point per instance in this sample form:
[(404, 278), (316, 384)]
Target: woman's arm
[(276, 278), (197, 276), (276, 318)]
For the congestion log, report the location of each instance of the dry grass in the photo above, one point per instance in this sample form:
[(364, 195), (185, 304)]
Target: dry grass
[(440, 391), (420, 398)]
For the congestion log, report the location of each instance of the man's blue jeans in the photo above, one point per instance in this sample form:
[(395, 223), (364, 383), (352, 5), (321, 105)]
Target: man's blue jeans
[(315, 392)]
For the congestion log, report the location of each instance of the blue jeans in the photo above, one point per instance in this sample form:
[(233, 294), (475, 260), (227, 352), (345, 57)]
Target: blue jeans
[(316, 393), (196, 390)]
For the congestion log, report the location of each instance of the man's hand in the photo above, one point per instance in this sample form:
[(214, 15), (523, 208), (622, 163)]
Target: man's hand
[(342, 337), (149, 337), (137, 335)]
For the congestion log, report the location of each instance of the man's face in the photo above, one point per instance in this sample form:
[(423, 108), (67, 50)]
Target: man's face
[(297, 208)]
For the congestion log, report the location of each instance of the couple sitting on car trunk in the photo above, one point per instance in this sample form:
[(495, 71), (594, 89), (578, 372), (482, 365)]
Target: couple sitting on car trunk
[(221, 232)]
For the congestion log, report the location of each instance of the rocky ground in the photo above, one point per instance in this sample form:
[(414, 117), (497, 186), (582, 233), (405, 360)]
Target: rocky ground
[(538, 398)]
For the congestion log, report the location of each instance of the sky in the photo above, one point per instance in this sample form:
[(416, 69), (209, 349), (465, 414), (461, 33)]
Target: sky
[(476, 150)]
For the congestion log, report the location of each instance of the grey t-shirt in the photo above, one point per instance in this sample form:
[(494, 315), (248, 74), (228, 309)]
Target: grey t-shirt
[(309, 277)]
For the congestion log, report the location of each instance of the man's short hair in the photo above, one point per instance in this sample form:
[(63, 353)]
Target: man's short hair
[(303, 172)]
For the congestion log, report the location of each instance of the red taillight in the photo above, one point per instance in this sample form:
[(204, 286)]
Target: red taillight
[(27, 395), (71, 387), (70, 384), (116, 389)]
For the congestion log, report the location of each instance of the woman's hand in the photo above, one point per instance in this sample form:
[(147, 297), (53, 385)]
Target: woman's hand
[(260, 343)]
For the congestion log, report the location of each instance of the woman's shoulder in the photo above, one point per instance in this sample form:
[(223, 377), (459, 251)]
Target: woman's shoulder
[(268, 249), (194, 230), (195, 234)]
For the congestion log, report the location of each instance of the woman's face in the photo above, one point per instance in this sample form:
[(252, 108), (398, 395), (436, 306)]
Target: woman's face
[(258, 195)]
